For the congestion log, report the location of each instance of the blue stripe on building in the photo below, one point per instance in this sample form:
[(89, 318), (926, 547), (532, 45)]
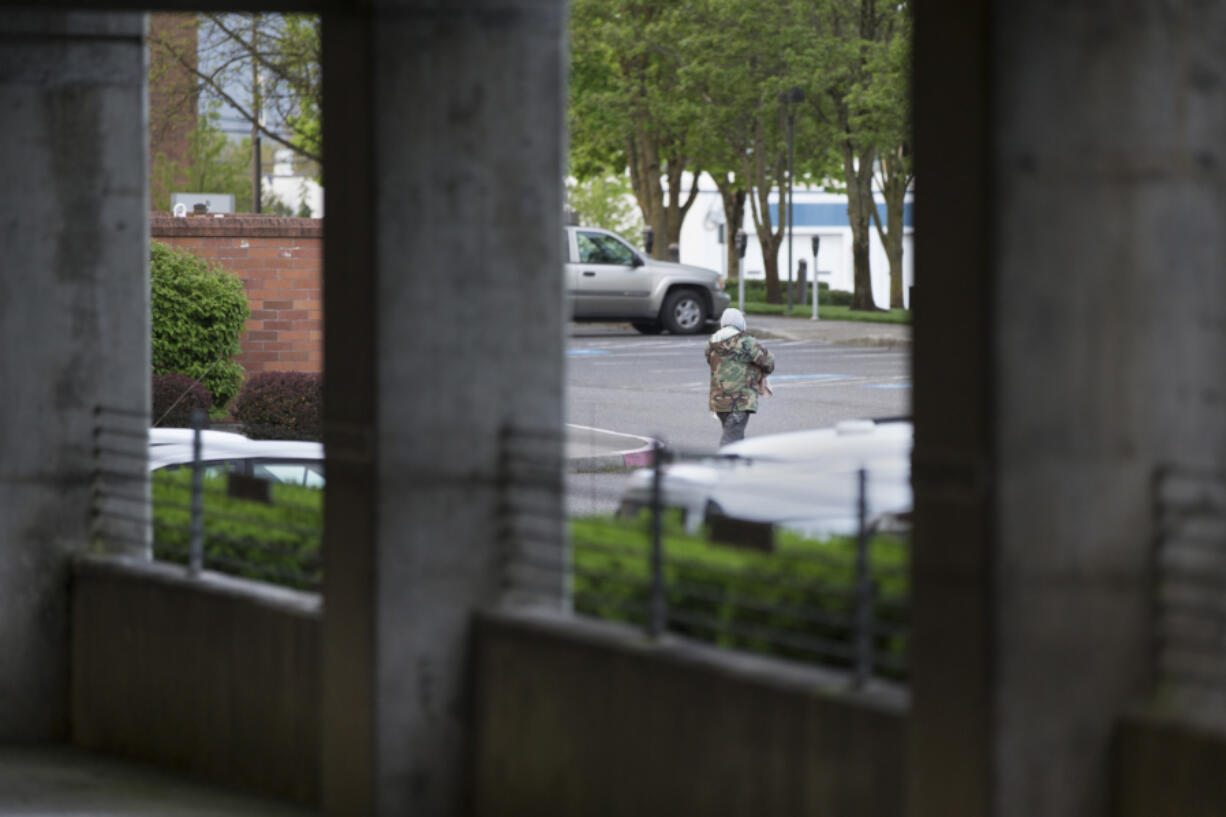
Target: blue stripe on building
[(834, 214)]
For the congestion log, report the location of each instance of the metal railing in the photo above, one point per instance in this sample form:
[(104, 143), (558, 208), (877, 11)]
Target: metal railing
[(120, 509), (838, 600), (201, 515), (1190, 588)]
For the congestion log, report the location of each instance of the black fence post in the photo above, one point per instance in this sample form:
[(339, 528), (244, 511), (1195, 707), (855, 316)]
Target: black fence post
[(864, 591), (659, 604), (195, 547)]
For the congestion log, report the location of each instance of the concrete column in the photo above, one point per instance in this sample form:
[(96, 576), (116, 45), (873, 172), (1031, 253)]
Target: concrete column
[(1077, 343), (74, 320), (444, 324)]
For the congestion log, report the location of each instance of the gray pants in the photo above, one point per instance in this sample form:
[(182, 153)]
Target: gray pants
[(734, 423)]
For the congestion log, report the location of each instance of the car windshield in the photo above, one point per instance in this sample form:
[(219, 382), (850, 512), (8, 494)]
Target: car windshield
[(294, 473)]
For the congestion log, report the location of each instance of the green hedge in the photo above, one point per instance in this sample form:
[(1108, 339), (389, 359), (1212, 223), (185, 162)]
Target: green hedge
[(277, 542), (199, 311), (737, 591), (745, 598)]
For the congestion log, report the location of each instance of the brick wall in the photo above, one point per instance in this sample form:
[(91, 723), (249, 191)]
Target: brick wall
[(280, 261)]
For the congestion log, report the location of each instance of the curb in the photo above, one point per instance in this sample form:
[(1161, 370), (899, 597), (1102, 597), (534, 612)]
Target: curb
[(622, 460), (871, 341)]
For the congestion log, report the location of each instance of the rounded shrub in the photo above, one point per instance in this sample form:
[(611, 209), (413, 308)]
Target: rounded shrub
[(281, 405), (175, 397), (199, 311), (835, 297)]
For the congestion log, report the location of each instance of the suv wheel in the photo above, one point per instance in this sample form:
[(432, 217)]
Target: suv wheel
[(684, 312), (647, 327)]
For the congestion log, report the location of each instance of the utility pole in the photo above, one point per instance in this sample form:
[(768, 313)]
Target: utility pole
[(789, 99), (257, 105)]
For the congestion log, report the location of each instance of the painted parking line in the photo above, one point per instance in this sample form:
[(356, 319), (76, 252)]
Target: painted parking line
[(777, 378), (575, 352)]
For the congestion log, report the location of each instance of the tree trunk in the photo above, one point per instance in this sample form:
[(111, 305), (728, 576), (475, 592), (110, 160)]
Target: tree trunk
[(734, 216), (675, 211), (894, 184), (769, 240), (858, 171)]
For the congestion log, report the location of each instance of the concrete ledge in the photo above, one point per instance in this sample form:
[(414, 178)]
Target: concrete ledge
[(213, 676), (586, 717), (1166, 768), (245, 225)]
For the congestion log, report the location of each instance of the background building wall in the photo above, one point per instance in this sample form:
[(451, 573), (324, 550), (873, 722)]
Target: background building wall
[(280, 261), (173, 99), (815, 213)]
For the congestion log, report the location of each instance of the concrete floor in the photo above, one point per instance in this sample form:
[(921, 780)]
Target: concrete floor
[(62, 780)]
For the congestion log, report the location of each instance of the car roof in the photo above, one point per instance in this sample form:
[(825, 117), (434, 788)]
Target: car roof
[(849, 443), (174, 446), (806, 480)]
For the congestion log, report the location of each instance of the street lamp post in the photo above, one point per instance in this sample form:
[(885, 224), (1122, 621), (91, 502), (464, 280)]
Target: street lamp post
[(817, 240), (742, 241), (789, 99)]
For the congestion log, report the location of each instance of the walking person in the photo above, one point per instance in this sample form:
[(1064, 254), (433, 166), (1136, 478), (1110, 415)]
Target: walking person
[(739, 366)]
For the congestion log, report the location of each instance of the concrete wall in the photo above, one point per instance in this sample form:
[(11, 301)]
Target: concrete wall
[(445, 145), (1077, 344), (581, 717), (280, 261), (1167, 768), (215, 676), (74, 319)]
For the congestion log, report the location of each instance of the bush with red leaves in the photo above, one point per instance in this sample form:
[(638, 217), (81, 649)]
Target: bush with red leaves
[(175, 396), (281, 406)]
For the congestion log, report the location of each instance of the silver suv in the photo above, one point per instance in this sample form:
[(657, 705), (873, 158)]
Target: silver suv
[(608, 280)]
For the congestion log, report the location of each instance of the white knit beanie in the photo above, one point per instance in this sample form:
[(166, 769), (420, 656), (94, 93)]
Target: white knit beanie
[(732, 317)]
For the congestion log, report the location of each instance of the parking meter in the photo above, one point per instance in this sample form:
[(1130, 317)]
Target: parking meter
[(742, 241), (817, 240), (649, 236)]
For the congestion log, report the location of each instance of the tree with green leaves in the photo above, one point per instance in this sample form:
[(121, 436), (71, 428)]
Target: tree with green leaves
[(890, 66), (267, 68), (605, 201), (627, 109), (198, 314), (859, 67), (215, 164), (740, 67)]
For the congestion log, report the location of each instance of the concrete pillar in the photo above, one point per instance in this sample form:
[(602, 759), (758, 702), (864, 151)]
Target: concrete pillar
[(443, 303), (74, 320), (1073, 340)]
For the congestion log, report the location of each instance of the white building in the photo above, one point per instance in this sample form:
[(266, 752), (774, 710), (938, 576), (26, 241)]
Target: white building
[(814, 213), (293, 186)]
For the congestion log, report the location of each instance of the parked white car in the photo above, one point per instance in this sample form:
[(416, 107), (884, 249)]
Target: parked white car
[(295, 462), (804, 480)]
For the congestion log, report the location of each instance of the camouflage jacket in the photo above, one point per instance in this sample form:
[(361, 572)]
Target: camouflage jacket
[(738, 364)]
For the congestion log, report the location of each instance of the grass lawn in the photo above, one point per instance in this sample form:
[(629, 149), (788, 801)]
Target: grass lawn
[(833, 306), (828, 312)]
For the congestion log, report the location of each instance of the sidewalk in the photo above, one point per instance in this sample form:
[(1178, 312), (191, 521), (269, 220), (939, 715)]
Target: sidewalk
[(839, 333)]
